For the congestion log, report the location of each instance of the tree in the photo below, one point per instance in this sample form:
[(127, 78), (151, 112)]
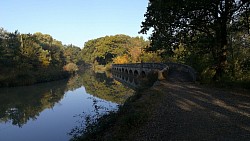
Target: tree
[(72, 53), (11, 49), (32, 58), (71, 67), (191, 22), (116, 49), (3, 44), (121, 59), (30, 50)]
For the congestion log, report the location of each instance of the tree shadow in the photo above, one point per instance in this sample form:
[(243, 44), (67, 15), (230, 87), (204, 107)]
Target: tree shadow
[(196, 112)]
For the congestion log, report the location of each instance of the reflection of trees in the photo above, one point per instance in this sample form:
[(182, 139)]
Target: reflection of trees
[(21, 104), (99, 85), (88, 121), (74, 82), (136, 83)]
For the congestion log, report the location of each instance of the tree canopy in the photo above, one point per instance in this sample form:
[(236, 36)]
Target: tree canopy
[(31, 58), (200, 26), (117, 49)]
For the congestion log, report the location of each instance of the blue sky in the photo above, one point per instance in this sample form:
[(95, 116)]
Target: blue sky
[(73, 21)]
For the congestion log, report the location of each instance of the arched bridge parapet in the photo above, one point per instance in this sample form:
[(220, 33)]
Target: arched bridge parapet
[(143, 69)]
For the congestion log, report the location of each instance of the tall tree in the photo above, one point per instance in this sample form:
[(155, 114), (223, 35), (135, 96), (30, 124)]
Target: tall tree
[(190, 22)]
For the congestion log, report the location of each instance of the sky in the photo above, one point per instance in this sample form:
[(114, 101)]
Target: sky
[(74, 21)]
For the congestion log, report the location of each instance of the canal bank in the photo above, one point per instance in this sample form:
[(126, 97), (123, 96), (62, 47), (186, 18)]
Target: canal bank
[(178, 111)]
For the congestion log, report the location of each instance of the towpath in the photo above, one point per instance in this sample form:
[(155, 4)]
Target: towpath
[(188, 111)]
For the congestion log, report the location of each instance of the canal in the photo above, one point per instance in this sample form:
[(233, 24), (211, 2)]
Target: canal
[(54, 111)]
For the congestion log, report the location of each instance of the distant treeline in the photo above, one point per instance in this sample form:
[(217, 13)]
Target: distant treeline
[(32, 58), (118, 49)]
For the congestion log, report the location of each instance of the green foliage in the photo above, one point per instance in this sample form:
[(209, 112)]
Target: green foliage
[(72, 54), (32, 58), (198, 32), (71, 67), (239, 57), (117, 49)]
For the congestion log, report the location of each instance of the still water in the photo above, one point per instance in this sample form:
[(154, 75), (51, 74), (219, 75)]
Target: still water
[(50, 111)]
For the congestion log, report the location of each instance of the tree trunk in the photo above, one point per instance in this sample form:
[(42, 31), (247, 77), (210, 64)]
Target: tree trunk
[(222, 54)]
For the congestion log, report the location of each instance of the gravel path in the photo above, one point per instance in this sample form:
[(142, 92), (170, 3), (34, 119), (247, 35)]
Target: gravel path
[(189, 111)]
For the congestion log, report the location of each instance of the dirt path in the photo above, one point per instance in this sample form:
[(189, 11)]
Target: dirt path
[(189, 111)]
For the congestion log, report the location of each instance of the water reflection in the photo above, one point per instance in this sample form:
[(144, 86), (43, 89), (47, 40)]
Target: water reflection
[(87, 120), (102, 85), (135, 82), (18, 105), (49, 111), (110, 89)]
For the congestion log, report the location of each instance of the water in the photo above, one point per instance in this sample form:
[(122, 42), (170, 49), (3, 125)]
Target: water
[(50, 111)]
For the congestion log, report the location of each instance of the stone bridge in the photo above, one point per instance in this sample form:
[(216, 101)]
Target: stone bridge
[(164, 70)]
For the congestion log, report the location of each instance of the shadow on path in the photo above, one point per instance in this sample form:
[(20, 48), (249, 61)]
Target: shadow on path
[(192, 112)]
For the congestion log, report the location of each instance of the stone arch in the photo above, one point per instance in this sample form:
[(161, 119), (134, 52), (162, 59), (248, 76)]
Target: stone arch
[(136, 73), (130, 72), (126, 71)]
